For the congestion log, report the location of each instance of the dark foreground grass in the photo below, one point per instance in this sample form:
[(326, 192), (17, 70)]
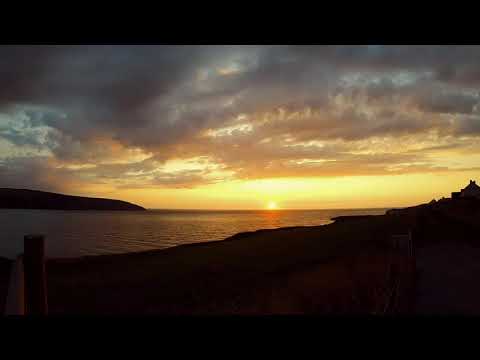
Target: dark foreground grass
[(341, 268), (5, 265), (323, 269)]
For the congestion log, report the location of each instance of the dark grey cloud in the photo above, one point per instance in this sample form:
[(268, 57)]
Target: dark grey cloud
[(35, 173), (90, 104), (453, 102)]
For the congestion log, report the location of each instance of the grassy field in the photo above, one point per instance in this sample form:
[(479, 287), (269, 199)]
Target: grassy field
[(340, 268), (5, 265), (318, 269)]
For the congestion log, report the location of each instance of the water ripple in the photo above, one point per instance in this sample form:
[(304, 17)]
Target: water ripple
[(77, 233)]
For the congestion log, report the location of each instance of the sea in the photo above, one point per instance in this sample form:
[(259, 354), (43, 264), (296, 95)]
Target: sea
[(81, 233)]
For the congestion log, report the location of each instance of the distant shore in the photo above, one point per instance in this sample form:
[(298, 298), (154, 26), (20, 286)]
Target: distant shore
[(33, 199)]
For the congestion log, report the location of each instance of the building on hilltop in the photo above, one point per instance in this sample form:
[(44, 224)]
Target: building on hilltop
[(456, 194), (471, 190)]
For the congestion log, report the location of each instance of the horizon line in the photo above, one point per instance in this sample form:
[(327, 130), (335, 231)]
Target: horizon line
[(278, 209)]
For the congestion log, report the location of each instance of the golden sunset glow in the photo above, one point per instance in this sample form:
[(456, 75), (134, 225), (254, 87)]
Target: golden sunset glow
[(299, 193), (220, 128), (272, 205)]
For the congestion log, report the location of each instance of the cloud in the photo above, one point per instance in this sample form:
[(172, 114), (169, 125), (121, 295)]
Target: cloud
[(99, 113), (449, 102), (36, 173)]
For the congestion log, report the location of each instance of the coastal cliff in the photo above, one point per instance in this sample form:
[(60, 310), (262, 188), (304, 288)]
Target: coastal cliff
[(32, 199)]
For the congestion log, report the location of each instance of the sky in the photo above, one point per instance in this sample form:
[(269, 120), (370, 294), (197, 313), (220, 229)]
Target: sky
[(241, 127)]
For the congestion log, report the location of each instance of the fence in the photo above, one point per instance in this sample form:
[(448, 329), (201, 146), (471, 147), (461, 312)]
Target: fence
[(27, 291), (401, 275)]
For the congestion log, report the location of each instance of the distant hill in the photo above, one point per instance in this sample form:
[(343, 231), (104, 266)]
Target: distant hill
[(32, 199)]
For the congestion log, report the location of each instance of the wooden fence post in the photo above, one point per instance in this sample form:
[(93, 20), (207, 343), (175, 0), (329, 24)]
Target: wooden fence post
[(35, 278)]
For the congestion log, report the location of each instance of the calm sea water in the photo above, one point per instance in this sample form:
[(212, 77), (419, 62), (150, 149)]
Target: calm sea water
[(77, 233)]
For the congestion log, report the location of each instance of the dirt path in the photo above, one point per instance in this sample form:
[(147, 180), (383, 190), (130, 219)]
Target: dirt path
[(449, 276)]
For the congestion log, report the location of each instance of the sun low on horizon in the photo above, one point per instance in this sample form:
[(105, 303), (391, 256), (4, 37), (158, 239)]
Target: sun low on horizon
[(242, 127), (272, 205)]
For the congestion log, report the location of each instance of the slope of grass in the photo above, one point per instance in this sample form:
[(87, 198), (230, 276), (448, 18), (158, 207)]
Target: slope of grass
[(210, 277), (5, 265)]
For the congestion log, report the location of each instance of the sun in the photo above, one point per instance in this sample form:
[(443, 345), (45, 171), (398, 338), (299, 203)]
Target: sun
[(272, 205)]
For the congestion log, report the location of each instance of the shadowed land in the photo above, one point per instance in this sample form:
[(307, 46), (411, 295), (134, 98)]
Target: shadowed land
[(339, 268), (292, 270), (5, 265), (32, 199), (237, 275)]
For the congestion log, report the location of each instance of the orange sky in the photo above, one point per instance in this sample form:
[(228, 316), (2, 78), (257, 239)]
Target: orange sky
[(302, 193), (240, 127)]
